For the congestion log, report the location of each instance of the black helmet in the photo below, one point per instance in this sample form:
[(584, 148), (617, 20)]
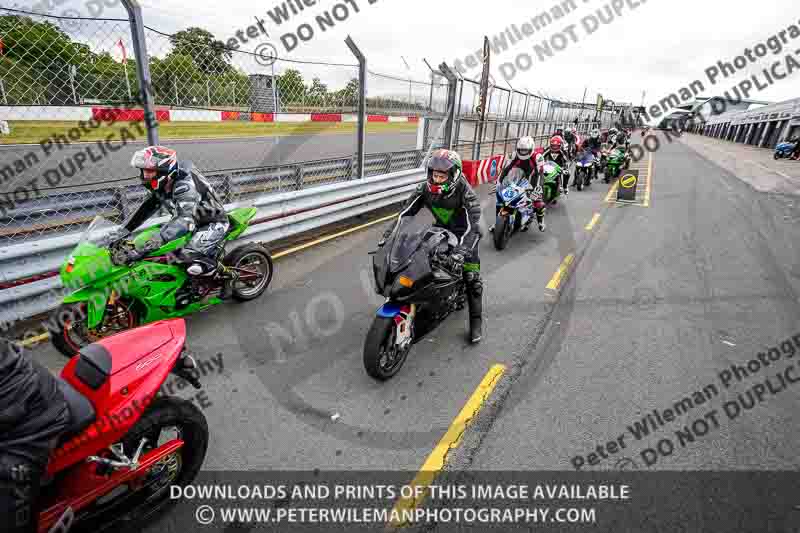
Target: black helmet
[(443, 161)]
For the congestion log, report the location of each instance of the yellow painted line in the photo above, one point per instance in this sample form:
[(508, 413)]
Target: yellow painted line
[(612, 192), (331, 237), (34, 340), (451, 439), (561, 273), (649, 180), (594, 220)]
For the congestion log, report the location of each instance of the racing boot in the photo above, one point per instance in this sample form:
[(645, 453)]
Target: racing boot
[(540, 220), (475, 304)]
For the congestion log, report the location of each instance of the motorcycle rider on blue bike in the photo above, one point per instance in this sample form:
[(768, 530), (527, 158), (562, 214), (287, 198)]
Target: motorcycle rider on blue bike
[(594, 145), (523, 160), (456, 208)]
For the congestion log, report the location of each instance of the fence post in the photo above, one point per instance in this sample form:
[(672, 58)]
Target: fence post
[(460, 96), (452, 81), (362, 105), (143, 69)]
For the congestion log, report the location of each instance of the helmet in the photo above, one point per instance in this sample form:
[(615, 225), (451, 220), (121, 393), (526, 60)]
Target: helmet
[(155, 164), (595, 133), (555, 144), (444, 161), (560, 131), (525, 148), (612, 132)]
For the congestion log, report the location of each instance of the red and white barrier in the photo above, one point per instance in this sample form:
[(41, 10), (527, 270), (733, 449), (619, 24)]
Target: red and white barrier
[(483, 171), (36, 112), (179, 115), (194, 115)]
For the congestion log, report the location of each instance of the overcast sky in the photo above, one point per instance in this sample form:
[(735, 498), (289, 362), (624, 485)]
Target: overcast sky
[(658, 47)]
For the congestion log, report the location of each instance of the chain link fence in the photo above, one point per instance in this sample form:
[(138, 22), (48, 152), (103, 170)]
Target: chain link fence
[(252, 123)]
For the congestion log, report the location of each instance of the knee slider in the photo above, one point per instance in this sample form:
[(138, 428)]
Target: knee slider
[(474, 283)]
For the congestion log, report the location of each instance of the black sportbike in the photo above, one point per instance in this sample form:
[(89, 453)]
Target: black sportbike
[(422, 284)]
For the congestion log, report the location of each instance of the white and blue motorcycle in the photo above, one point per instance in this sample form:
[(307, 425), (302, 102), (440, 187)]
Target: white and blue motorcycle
[(514, 207)]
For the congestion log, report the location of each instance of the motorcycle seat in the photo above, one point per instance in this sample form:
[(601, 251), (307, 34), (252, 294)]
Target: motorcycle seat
[(81, 411), (93, 366)]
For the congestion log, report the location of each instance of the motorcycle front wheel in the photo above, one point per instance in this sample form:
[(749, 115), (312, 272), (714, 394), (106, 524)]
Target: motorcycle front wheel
[(501, 231), (382, 358)]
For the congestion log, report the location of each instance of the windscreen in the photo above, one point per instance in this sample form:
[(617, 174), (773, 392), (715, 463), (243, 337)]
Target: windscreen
[(516, 175), (98, 231), (406, 240)]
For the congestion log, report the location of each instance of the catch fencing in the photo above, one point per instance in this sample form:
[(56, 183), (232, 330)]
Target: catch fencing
[(82, 94)]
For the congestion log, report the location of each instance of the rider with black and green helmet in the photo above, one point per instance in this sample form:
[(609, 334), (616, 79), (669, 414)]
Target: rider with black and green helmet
[(456, 207)]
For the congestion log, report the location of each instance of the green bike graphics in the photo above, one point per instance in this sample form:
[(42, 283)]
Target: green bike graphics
[(111, 295)]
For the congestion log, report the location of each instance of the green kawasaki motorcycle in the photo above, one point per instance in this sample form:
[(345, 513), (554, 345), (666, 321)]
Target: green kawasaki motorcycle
[(114, 295), (551, 182), (617, 159)]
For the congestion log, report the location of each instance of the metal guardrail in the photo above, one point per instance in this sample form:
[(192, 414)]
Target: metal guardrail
[(279, 216), (71, 209)]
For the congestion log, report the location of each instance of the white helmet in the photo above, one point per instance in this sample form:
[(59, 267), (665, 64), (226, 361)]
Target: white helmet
[(524, 148)]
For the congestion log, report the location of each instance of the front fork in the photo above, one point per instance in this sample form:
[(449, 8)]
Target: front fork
[(404, 326)]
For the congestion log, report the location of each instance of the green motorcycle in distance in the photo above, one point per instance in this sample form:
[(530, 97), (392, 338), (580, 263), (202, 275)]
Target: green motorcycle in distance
[(551, 176), (616, 160), (113, 295)]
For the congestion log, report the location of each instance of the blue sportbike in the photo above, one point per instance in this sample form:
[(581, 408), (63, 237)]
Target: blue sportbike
[(514, 207)]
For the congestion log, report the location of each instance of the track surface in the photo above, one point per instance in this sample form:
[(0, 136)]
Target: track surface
[(212, 154), (660, 300)]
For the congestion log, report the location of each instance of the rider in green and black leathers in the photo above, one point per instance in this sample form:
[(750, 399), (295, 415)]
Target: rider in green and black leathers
[(456, 207)]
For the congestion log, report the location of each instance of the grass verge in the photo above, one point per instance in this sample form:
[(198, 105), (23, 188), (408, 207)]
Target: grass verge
[(35, 131)]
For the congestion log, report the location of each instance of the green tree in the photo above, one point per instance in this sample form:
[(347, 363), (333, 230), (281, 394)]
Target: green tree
[(208, 54), (291, 86), (349, 95), (37, 59), (317, 93)]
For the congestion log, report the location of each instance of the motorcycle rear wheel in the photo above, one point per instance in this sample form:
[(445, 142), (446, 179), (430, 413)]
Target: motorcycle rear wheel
[(382, 359), (252, 260), (148, 496)]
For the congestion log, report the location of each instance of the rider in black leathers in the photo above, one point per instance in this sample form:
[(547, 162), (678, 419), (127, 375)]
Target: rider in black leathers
[(194, 206), (33, 414), (571, 139), (556, 154), (456, 207)]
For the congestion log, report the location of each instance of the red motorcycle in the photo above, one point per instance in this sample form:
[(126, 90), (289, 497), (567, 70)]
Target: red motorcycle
[(126, 444)]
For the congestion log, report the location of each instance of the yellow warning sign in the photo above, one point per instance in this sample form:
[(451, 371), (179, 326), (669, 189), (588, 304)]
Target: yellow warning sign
[(628, 181), (626, 192)]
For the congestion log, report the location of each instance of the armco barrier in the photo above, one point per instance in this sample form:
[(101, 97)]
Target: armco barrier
[(68, 209), (282, 215)]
